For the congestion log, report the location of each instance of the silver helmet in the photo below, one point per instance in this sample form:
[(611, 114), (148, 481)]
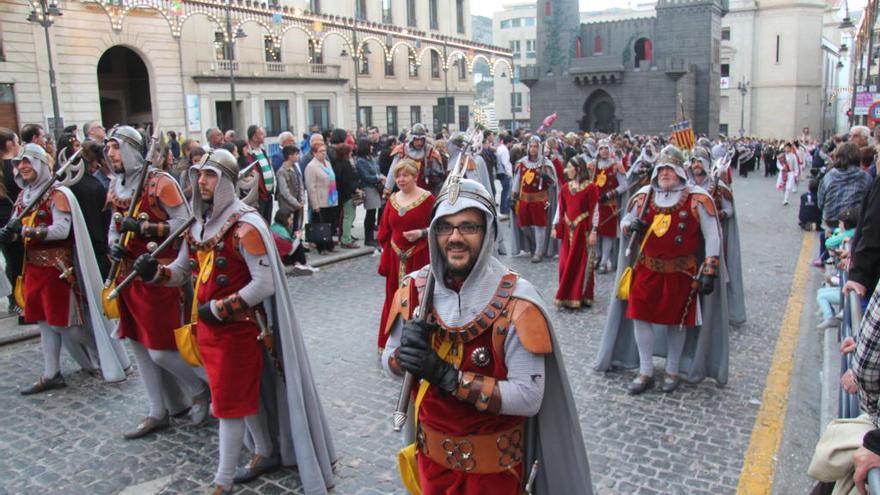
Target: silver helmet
[(702, 154), (128, 134), (672, 157), (419, 131), (222, 162)]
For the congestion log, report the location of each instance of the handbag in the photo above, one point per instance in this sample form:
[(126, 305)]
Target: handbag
[(185, 336), (319, 233)]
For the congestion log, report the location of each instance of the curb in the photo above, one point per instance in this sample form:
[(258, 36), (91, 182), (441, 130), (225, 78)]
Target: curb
[(27, 333), (342, 256)]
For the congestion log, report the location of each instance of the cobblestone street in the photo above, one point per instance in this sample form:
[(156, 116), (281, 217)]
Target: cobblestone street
[(689, 442)]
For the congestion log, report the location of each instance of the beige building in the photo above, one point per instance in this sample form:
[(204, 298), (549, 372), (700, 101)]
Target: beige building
[(167, 62), (785, 54), (514, 28)]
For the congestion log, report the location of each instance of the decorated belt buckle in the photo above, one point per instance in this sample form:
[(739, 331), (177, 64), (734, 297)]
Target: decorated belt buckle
[(459, 455)]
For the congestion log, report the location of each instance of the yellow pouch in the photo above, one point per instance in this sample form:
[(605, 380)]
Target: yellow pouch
[(625, 282), (18, 290), (185, 337), (407, 463), (111, 306)]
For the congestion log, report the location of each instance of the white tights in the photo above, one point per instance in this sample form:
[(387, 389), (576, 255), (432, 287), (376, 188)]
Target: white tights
[(151, 362), (675, 339), (232, 438), (607, 245), (50, 338)]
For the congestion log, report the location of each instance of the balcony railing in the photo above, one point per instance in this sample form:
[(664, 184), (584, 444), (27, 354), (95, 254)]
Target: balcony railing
[(220, 68)]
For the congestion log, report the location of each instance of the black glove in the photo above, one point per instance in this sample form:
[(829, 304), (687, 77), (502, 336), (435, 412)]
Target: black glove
[(8, 234), (146, 266), (117, 252), (416, 355), (607, 196), (130, 224), (206, 315), (707, 284), (637, 225)]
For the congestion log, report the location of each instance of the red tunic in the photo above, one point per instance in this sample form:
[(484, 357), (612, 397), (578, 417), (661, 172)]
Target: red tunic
[(232, 355), (147, 313), (662, 298), (534, 196), (606, 179), (399, 256), (442, 412), (575, 207), (46, 297)]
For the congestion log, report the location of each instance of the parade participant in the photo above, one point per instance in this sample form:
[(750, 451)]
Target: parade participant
[(148, 315), (403, 235), (675, 262), (428, 159), (60, 285), (576, 225), (260, 375), (611, 180), (534, 196), (699, 175), (91, 195), (475, 168), (789, 169), (491, 368)]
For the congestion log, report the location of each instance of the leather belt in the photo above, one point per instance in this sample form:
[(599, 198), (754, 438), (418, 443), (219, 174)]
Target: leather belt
[(533, 197), (685, 264), (50, 256), (480, 454)]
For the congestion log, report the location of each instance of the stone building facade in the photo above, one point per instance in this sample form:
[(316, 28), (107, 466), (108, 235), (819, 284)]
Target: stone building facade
[(633, 74), (166, 62)]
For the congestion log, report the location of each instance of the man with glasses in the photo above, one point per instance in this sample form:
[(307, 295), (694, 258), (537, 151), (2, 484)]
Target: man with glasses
[(488, 362)]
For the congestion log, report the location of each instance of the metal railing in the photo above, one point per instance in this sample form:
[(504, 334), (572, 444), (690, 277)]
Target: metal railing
[(851, 304)]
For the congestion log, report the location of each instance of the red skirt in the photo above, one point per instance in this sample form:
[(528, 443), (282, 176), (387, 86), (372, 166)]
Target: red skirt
[(607, 228), (531, 214), (149, 314), (573, 292), (435, 479), (661, 298), (46, 297), (233, 360)]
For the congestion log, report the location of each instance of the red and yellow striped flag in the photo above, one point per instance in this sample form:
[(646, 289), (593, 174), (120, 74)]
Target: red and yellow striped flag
[(683, 135)]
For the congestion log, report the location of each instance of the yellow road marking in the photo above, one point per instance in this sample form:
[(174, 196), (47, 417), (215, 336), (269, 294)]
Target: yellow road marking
[(760, 462)]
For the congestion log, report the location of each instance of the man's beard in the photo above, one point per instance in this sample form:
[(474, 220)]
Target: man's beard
[(464, 271)]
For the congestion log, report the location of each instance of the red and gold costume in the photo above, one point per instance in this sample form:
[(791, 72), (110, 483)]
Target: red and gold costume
[(465, 446), (662, 289), (577, 202), (400, 256), (47, 295), (148, 313), (534, 194), (606, 180), (231, 353)]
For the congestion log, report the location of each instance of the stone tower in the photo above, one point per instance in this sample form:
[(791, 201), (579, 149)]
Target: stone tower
[(558, 24), (689, 32)]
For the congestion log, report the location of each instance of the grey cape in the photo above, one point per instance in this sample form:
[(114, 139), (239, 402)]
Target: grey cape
[(291, 405), (736, 296), (111, 354), (518, 240), (707, 346)]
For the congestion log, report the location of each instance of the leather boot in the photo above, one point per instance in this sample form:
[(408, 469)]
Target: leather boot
[(256, 467), (641, 384), (218, 490), (45, 384)]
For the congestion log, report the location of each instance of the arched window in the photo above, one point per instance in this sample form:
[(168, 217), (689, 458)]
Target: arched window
[(644, 51), (597, 45), (578, 47)]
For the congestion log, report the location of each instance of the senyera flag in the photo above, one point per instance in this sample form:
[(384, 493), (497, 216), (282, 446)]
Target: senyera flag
[(548, 121), (683, 135)]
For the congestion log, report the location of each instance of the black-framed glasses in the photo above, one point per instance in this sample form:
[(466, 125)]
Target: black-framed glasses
[(466, 228)]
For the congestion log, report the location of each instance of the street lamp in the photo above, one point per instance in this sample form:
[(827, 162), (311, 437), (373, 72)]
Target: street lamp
[(45, 17), (445, 66), (743, 87), (230, 47), (356, 58)]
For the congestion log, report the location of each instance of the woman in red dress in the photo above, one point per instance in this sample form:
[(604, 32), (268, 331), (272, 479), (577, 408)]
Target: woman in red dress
[(403, 234), (576, 226)]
